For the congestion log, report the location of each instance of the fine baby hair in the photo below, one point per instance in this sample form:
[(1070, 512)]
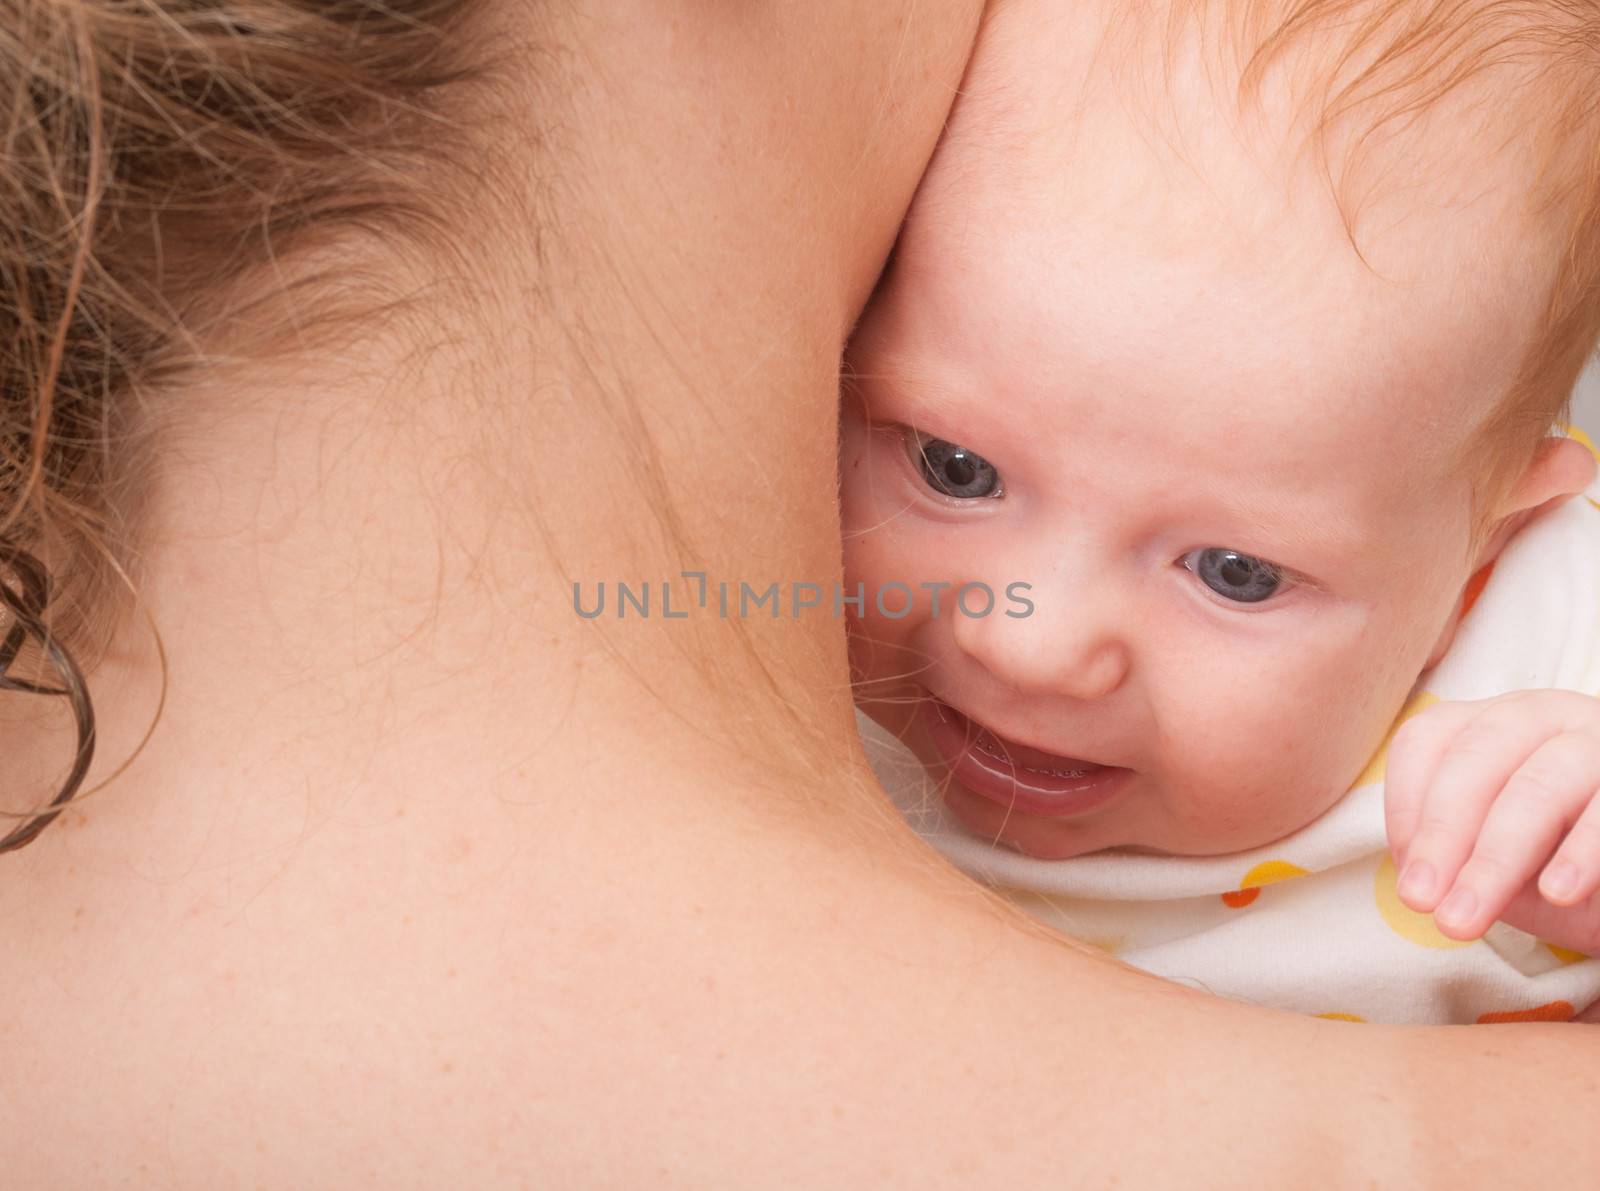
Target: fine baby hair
[(1490, 79)]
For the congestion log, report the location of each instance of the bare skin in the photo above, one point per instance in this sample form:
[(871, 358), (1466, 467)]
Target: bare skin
[(417, 885)]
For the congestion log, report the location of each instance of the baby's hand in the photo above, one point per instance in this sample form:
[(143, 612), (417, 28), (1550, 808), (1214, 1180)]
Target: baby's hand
[(1493, 811)]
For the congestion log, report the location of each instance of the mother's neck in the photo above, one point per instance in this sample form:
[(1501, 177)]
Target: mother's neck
[(362, 563)]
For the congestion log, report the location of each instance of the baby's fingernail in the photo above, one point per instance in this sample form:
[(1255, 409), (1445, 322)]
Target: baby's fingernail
[(1560, 881), (1416, 883), (1458, 908)]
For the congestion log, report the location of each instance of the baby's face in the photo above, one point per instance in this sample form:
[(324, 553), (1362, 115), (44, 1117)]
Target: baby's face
[(1217, 446)]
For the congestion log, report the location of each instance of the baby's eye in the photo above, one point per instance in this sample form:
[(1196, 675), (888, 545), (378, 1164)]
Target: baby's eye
[(1234, 576), (952, 470)]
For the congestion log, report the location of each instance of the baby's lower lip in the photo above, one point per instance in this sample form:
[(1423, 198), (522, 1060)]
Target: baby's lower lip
[(1029, 780)]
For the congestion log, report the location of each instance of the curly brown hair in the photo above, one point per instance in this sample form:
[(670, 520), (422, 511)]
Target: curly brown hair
[(157, 158)]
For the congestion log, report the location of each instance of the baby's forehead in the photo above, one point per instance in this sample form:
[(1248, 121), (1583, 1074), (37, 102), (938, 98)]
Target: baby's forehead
[(1421, 100), (1113, 205), (1368, 112)]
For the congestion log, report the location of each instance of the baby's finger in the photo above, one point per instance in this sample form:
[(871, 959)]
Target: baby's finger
[(1521, 829), (1415, 751), (1575, 927), (1465, 783), (1573, 873)]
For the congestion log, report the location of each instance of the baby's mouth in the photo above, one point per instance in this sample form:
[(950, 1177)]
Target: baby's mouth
[(1018, 776), (1010, 752)]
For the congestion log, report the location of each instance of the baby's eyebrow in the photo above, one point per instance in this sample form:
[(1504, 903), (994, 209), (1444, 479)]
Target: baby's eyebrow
[(1306, 538), (908, 382)]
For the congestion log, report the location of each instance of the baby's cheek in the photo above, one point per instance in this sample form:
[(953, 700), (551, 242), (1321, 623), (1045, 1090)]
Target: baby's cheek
[(871, 558), (882, 544), (1256, 769)]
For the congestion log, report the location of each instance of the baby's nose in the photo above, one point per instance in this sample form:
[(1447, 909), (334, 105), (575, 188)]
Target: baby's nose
[(1064, 646)]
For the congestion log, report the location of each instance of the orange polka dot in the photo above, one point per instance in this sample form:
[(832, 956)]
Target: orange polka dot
[(1554, 1011), (1475, 586)]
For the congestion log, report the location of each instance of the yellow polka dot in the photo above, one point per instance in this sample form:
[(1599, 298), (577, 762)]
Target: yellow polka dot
[(1341, 1017), (1109, 945), (1373, 773), (1270, 871), (1402, 919), (1265, 873), (1565, 955)]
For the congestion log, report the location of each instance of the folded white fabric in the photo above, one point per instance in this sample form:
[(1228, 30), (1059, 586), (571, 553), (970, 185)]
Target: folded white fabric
[(1312, 923)]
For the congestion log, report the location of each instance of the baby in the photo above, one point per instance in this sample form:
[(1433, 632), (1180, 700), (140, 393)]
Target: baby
[(1247, 377)]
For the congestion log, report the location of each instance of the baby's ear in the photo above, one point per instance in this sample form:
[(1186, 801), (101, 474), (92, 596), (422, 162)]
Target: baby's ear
[(1560, 469)]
